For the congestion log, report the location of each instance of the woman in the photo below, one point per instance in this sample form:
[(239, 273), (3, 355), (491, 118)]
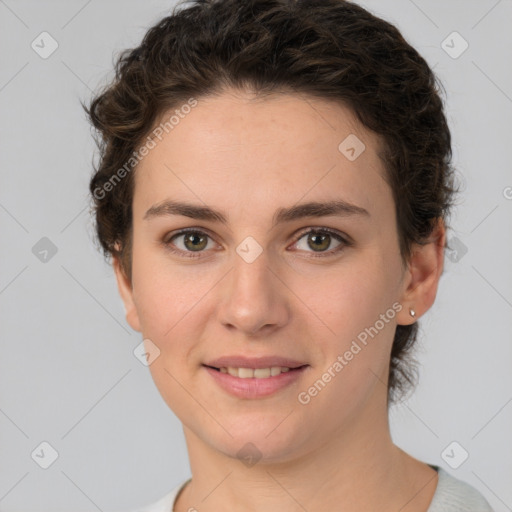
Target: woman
[(273, 188)]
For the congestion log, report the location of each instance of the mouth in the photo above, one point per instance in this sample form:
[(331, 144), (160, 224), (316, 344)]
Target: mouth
[(255, 373), (255, 383)]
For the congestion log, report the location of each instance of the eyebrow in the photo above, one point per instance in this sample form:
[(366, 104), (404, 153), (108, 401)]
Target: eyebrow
[(337, 207)]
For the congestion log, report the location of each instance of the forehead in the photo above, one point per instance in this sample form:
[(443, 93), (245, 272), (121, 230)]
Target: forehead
[(235, 118), (237, 146)]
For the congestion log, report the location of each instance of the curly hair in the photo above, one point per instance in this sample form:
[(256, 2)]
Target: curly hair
[(329, 49)]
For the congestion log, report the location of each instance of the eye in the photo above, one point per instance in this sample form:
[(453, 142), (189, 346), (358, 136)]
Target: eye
[(196, 241), (193, 241), (320, 239)]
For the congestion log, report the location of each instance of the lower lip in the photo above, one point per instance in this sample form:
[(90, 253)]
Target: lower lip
[(252, 387)]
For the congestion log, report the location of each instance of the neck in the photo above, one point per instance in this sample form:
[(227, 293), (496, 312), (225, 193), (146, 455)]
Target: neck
[(357, 467)]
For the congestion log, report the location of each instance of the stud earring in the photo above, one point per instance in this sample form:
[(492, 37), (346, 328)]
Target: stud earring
[(412, 312)]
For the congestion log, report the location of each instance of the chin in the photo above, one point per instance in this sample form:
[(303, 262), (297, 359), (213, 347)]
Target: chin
[(264, 444)]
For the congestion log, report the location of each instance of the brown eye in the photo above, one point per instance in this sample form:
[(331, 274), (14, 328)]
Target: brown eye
[(320, 240), (194, 241), (187, 242)]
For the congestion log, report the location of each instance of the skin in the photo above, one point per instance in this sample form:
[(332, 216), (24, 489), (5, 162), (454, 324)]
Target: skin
[(248, 157)]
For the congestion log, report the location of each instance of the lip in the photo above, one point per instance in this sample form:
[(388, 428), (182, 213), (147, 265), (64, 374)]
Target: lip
[(252, 387), (254, 362)]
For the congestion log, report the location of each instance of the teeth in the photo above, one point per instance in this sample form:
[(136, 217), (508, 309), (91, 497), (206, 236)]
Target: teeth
[(257, 373), (276, 370), (233, 371), (243, 373), (261, 373)]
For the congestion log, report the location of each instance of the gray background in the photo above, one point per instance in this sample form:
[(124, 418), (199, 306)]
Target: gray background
[(68, 375)]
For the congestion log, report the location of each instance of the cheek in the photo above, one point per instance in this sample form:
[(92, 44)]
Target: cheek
[(351, 298), (168, 301), (165, 294), (357, 315), (355, 308)]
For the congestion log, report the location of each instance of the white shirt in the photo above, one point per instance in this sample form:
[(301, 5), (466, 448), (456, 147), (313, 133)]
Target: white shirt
[(451, 495)]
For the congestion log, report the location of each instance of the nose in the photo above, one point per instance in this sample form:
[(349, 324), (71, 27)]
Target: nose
[(253, 299)]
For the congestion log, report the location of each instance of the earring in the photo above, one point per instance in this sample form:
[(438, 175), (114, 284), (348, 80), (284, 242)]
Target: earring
[(412, 312)]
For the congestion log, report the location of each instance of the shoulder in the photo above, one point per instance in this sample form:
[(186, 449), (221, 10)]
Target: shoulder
[(166, 503), (454, 495)]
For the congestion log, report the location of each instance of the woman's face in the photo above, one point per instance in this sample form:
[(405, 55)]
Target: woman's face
[(257, 284)]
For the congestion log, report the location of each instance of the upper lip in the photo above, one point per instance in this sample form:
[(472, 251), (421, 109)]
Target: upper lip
[(253, 362)]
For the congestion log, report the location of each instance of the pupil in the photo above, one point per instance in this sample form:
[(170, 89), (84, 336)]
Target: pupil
[(191, 237), (319, 240)]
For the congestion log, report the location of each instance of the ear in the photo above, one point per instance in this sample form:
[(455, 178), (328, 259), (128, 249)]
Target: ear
[(422, 275), (126, 292)]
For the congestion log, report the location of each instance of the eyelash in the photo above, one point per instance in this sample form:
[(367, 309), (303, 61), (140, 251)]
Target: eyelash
[(190, 254)]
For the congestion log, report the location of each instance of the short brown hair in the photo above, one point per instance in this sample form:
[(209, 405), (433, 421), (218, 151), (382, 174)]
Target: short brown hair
[(330, 49)]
